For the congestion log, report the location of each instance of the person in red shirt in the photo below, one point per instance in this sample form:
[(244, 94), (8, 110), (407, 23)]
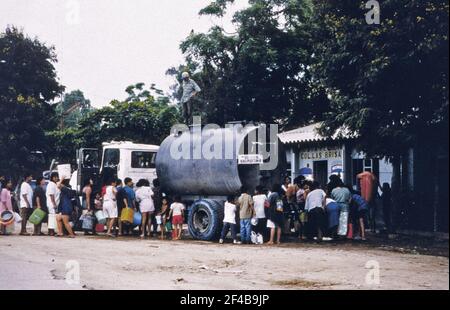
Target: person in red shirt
[(369, 183)]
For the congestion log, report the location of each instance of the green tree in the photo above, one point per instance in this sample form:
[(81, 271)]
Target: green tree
[(141, 118), (72, 109), (27, 86), (387, 82), (261, 72)]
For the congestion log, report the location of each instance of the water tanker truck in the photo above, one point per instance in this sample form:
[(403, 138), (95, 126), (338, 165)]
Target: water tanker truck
[(205, 165)]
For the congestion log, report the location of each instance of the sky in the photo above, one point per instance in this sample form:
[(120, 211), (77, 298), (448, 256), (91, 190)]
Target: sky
[(105, 45)]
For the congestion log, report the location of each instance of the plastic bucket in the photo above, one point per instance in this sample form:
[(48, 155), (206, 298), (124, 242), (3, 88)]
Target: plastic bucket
[(127, 215), (99, 228), (137, 219), (7, 218), (37, 217), (101, 218)]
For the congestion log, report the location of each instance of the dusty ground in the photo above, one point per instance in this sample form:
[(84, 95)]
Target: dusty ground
[(128, 263)]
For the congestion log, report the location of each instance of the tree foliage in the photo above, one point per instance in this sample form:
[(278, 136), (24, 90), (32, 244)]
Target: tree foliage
[(261, 72), (65, 112), (388, 82), (141, 118), (27, 86)]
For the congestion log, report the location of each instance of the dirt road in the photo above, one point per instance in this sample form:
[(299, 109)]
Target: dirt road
[(40, 263)]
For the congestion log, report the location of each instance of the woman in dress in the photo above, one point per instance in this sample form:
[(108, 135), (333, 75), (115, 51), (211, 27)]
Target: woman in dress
[(144, 195), (110, 206), (5, 201), (65, 208), (88, 202), (275, 221)]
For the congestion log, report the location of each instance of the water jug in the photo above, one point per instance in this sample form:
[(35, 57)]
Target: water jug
[(137, 219)]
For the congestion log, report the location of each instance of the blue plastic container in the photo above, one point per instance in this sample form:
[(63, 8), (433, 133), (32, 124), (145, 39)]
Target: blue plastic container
[(137, 219)]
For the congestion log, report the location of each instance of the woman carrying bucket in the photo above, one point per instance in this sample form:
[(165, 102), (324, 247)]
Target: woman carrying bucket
[(65, 208), (39, 202), (88, 202), (5, 201)]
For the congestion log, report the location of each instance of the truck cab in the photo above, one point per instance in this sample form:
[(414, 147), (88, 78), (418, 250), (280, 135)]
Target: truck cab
[(117, 160)]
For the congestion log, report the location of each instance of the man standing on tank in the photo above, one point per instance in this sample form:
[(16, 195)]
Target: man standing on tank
[(190, 90)]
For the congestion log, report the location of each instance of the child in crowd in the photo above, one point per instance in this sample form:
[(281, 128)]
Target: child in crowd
[(229, 221), (359, 211), (98, 201), (177, 213), (162, 217)]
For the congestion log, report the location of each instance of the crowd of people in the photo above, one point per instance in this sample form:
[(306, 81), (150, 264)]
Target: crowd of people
[(303, 209), (65, 213)]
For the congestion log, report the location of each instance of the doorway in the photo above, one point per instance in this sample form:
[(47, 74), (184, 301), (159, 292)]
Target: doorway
[(320, 172)]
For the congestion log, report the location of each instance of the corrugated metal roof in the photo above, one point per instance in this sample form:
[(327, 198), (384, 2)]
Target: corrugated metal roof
[(310, 134)]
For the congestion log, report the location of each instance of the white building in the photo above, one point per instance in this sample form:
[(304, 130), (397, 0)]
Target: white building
[(318, 157)]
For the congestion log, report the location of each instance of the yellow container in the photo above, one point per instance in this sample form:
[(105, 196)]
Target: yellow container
[(127, 215)]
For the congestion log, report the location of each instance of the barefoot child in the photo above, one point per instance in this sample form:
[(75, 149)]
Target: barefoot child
[(177, 213), (162, 214)]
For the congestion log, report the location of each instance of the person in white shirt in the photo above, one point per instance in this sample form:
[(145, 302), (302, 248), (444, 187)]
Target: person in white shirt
[(260, 204), (315, 206), (110, 206), (26, 202), (53, 194), (177, 213), (229, 220), (144, 195)]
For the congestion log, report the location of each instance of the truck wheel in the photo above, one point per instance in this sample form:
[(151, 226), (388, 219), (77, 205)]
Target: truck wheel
[(205, 219)]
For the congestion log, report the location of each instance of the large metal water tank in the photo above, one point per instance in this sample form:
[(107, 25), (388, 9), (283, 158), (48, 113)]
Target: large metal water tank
[(196, 175)]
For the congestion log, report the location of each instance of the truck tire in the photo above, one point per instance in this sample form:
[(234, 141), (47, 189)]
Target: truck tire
[(205, 219)]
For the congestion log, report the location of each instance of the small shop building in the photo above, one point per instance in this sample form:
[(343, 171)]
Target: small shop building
[(423, 175), (318, 157)]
